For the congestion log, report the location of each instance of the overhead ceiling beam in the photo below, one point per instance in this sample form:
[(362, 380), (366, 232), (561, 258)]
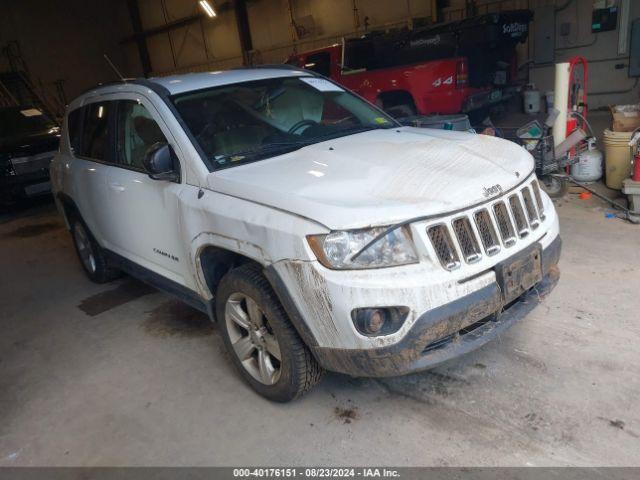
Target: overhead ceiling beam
[(244, 31), (136, 23)]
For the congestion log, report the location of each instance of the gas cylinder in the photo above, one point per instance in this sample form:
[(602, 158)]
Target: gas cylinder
[(589, 165), (635, 171)]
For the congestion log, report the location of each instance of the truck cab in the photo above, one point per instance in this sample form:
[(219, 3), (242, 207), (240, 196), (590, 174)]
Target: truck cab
[(463, 66), (434, 87)]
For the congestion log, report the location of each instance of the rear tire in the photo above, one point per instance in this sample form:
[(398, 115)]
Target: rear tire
[(264, 346), (91, 255)]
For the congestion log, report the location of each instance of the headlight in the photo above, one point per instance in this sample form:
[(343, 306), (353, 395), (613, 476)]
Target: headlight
[(336, 250)]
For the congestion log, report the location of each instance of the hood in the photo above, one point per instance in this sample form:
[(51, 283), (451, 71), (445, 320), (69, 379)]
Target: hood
[(380, 177)]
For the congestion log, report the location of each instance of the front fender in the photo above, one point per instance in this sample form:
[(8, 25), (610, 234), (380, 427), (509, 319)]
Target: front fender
[(257, 232)]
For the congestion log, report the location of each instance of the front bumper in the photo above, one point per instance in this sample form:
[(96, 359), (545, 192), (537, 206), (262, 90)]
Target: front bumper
[(445, 332)]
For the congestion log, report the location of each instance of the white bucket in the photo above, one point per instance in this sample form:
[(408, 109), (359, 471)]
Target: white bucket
[(531, 101)]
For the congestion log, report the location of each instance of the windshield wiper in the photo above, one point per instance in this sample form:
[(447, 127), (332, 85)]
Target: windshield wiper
[(352, 131), (286, 147), (269, 148)]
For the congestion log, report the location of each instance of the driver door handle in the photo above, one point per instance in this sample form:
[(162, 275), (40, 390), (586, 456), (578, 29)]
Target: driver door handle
[(116, 187)]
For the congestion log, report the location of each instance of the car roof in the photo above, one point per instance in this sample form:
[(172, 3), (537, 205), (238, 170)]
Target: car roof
[(177, 84)]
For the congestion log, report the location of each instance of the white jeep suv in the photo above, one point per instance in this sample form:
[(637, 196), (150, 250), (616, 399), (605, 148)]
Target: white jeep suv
[(317, 231)]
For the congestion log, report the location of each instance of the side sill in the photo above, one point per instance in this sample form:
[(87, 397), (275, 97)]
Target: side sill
[(149, 277)]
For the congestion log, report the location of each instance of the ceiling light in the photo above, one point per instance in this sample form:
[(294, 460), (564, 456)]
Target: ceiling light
[(208, 9)]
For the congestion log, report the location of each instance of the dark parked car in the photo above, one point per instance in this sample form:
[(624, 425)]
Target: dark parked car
[(28, 141)]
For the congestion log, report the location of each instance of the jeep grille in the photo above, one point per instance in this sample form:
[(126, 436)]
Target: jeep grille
[(507, 232), (444, 247), (487, 232), (518, 216), (487, 229), (467, 240), (532, 214), (536, 193)]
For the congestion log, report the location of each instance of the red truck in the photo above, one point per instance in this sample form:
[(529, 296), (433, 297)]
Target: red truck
[(444, 69), (439, 86)]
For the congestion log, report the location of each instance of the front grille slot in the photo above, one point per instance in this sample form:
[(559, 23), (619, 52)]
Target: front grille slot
[(467, 240), (488, 234), (504, 224), (532, 214), (444, 247), (518, 216), (536, 193)]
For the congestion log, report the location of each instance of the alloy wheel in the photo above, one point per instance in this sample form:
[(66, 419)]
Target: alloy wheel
[(85, 249), (252, 339)]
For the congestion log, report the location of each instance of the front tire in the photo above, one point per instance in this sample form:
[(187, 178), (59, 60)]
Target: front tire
[(263, 345), (91, 255)]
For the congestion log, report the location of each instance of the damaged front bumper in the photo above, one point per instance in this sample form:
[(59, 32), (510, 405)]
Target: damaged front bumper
[(442, 333), (446, 332)]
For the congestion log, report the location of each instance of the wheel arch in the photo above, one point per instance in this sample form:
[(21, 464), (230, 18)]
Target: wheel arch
[(213, 262), (394, 98), (68, 208)]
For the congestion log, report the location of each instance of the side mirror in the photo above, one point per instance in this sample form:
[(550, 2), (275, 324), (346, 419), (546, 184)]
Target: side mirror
[(161, 163)]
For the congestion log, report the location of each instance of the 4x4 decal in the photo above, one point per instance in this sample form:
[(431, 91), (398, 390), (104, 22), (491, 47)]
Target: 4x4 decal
[(446, 81)]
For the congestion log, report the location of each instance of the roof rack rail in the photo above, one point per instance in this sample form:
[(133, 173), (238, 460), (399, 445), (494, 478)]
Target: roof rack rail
[(276, 66), (127, 81), (107, 84)]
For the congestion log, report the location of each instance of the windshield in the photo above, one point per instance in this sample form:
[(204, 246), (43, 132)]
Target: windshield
[(23, 121), (245, 122)]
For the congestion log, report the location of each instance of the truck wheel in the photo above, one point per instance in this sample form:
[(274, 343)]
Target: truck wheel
[(554, 187), (398, 104), (91, 255), (401, 111), (263, 344)]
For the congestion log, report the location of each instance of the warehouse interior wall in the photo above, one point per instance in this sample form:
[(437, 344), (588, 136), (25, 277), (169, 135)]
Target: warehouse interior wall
[(609, 83), (66, 40), (608, 70), (213, 43)]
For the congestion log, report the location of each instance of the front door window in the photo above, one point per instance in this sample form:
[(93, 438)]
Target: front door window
[(137, 132)]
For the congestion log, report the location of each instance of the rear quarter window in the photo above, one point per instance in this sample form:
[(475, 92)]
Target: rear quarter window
[(74, 130)]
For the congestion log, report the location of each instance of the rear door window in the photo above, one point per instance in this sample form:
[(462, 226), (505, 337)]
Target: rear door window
[(95, 131)]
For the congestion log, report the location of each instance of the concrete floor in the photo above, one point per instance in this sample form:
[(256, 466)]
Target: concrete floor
[(122, 375)]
